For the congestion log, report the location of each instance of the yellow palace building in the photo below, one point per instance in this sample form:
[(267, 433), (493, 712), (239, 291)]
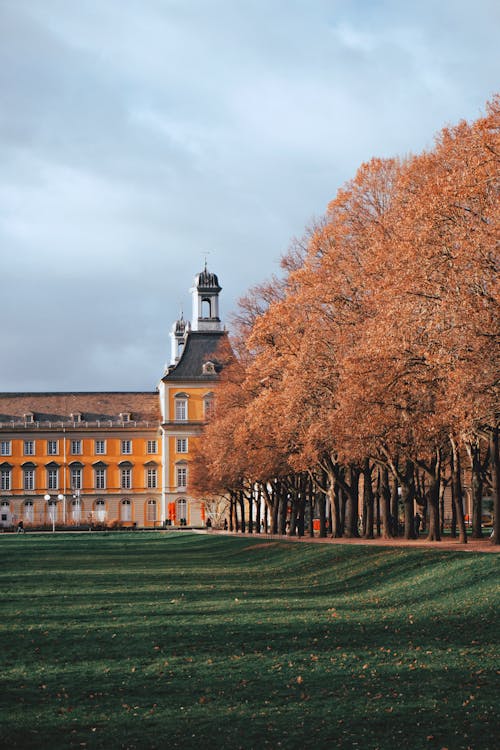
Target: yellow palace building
[(115, 458)]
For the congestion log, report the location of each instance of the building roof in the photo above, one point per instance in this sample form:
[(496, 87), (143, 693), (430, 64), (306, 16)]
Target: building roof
[(93, 406), (200, 348)]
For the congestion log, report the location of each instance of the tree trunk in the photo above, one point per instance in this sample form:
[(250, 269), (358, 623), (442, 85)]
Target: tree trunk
[(408, 497), (442, 490), (385, 500), (258, 514), (495, 484), (241, 502), (457, 492), (310, 506), (434, 529), (250, 511), (395, 506), (334, 500), (367, 500), (476, 490), (352, 492), (322, 514), (282, 508), (233, 518)]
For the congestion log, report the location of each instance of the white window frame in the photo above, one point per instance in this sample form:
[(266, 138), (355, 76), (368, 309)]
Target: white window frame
[(76, 510), (126, 447), (181, 409), (151, 478), (100, 510), (76, 447), (98, 444), (181, 445), (6, 448), (152, 446), (76, 477), (52, 479), (126, 478), (28, 480), (29, 448), (208, 406), (100, 478), (5, 479), (151, 511), (181, 509), (52, 447), (181, 477), (28, 511), (125, 515), (52, 510)]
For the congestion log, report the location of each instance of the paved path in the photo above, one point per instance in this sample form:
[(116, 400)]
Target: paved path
[(447, 544)]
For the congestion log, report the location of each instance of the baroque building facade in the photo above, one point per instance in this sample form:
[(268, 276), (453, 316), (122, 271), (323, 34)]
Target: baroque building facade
[(115, 458)]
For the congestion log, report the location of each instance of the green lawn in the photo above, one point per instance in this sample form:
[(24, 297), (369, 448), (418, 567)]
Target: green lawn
[(178, 640)]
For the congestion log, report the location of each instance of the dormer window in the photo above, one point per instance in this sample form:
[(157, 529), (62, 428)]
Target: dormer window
[(208, 368), (29, 417), (76, 417), (125, 416)]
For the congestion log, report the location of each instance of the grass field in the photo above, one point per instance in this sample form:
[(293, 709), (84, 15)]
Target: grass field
[(178, 640)]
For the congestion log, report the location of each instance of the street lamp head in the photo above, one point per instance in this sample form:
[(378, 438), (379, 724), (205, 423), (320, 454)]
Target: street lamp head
[(60, 496), (46, 497)]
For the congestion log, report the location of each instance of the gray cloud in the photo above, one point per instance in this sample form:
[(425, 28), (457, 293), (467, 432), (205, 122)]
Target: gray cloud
[(135, 135)]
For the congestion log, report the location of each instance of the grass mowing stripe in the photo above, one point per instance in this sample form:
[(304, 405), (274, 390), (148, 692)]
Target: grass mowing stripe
[(172, 640)]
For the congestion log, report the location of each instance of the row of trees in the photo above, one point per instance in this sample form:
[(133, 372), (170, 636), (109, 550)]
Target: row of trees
[(375, 355)]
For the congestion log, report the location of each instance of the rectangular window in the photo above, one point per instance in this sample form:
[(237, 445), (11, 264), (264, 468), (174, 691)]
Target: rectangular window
[(152, 479), (5, 448), (76, 447), (52, 448), (5, 479), (208, 407), (100, 479), (99, 447), (52, 479), (181, 445), (76, 479), (29, 479), (126, 479), (126, 446), (181, 410), (181, 477), (29, 447), (152, 446)]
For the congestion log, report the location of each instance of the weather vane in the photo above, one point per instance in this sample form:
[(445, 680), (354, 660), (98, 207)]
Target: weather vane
[(207, 252)]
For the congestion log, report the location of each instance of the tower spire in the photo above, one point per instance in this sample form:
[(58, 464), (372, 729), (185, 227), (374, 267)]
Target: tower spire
[(205, 294)]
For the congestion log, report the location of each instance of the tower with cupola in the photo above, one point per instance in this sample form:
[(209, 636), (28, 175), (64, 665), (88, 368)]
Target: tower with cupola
[(205, 294)]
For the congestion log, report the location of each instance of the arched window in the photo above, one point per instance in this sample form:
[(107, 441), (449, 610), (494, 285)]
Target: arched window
[(181, 512), (181, 407), (206, 307), (100, 510), (52, 508), (126, 510), (29, 511), (151, 511), (76, 510)]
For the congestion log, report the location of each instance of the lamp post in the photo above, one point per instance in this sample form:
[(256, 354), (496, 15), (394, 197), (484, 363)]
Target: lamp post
[(53, 514)]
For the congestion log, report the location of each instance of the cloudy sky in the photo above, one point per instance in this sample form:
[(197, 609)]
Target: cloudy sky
[(138, 135)]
